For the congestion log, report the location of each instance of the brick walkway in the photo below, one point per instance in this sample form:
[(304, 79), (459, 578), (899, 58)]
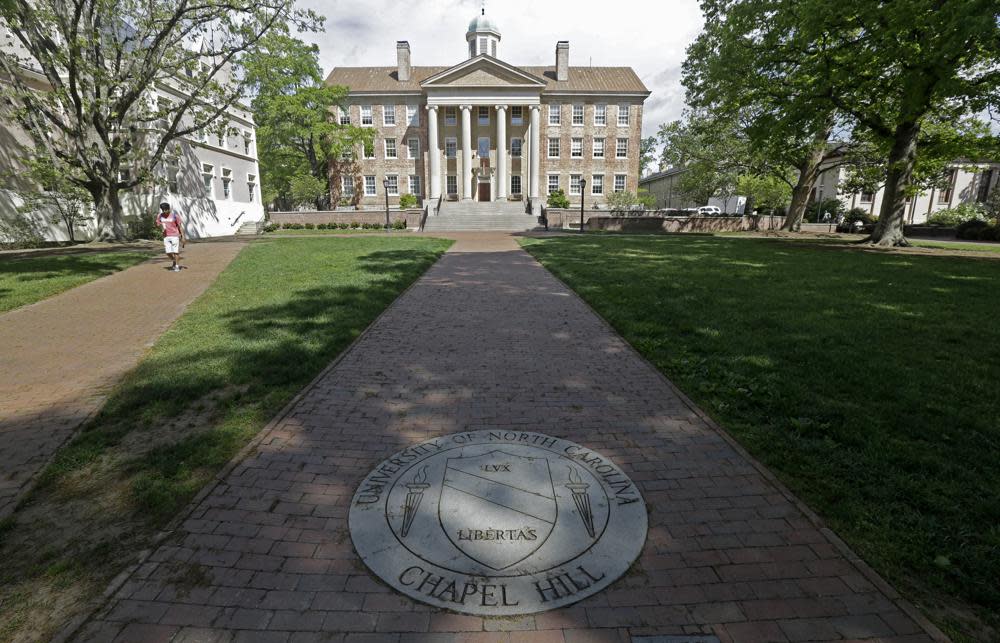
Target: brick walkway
[(60, 356), (489, 339)]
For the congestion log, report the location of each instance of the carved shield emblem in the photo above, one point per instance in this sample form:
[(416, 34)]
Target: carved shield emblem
[(497, 508)]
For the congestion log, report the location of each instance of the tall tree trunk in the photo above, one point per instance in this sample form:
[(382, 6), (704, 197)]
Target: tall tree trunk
[(889, 229), (808, 173), (748, 212), (110, 218)]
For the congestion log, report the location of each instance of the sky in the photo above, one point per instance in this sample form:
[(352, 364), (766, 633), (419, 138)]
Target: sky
[(647, 35)]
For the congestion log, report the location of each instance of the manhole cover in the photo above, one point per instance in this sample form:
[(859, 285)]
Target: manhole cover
[(498, 522)]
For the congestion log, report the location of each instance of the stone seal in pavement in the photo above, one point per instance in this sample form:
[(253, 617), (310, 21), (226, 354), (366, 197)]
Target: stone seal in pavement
[(498, 523)]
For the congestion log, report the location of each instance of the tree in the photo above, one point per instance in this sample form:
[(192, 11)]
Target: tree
[(709, 152), (52, 194), (892, 65), (647, 154), (99, 121), (295, 113), (306, 189)]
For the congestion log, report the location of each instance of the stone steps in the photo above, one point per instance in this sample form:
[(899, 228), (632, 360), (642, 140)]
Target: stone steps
[(502, 216), (247, 229)]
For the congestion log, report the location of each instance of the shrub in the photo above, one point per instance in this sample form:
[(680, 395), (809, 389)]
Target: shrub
[(958, 215), (970, 229), (558, 200), (355, 225), (309, 226), (271, 227), (860, 214), (815, 211), (408, 201), (622, 202), (343, 226), (399, 224), (990, 233)]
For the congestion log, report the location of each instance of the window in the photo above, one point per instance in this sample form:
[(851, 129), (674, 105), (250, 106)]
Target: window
[(517, 115), (578, 114), (415, 184), (623, 116), (600, 114), (370, 189), (484, 115), (621, 148), (598, 148), (451, 148), (515, 184), (413, 148), (985, 180), (553, 183), (393, 184), (200, 136), (597, 184), (576, 148), (227, 179), (574, 183), (172, 183), (553, 114), (452, 182), (515, 147), (493, 48), (207, 174), (368, 150), (553, 148), (252, 186), (412, 115), (867, 197), (347, 186), (390, 148), (482, 45), (388, 114), (619, 182), (162, 106), (945, 196), (345, 116), (450, 116), (366, 115), (247, 140)]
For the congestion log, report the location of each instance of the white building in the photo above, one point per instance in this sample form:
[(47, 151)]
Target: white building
[(214, 184)]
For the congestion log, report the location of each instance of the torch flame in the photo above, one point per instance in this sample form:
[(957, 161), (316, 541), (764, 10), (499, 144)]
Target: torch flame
[(421, 476), (574, 477)]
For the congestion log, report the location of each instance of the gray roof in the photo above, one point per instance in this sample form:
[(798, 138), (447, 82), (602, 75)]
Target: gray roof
[(581, 79)]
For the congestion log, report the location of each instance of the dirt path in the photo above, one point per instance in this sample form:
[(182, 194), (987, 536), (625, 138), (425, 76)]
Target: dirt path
[(61, 355)]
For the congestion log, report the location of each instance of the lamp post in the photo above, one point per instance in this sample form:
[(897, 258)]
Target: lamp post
[(385, 184), (583, 196)]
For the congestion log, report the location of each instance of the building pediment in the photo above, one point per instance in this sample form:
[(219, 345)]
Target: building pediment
[(483, 71)]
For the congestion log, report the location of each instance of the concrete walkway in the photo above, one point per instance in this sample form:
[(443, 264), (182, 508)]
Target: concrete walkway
[(60, 356), (488, 339)]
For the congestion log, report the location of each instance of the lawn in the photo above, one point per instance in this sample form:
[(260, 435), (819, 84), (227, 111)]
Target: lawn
[(957, 245), (26, 280), (868, 381), (272, 321)]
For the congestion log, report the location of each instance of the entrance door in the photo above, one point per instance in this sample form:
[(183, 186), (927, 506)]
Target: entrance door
[(484, 191)]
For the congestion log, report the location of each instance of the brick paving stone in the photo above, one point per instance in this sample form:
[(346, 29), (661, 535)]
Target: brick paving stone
[(488, 339), (52, 382)]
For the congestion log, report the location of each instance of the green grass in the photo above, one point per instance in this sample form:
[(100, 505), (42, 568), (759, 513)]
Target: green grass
[(957, 245), (338, 231), (27, 280), (868, 381), (281, 311)]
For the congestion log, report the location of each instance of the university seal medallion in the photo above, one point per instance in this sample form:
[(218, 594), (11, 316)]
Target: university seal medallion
[(498, 522)]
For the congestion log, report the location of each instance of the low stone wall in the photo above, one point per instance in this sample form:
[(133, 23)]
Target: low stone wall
[(361, 216), (604, 220)]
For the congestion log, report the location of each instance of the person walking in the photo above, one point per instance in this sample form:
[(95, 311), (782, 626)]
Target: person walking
[(173, 234)]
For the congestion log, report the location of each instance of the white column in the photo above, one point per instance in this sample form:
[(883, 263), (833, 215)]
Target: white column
[(501, 153), (467, 178), (536, 154), (434, 151)]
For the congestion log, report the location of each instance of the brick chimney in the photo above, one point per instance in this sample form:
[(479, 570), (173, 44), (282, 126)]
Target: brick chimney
[(562, 60), (403, 61)]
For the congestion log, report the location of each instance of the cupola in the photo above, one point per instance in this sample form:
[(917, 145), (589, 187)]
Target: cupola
[(483, 36)]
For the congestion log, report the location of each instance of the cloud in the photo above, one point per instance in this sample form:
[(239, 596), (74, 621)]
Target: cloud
[(650, 36)]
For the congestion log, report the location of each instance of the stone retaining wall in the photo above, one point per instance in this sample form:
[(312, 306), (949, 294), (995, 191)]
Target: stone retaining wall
[(361, 216), (604, 220)]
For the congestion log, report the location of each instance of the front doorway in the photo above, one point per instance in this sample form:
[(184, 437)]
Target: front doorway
[(484, 191)]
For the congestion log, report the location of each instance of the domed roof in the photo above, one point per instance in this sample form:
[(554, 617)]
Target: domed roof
[(482, 23)]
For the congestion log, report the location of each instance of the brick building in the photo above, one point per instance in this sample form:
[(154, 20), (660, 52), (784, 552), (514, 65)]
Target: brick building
[(488, 131)]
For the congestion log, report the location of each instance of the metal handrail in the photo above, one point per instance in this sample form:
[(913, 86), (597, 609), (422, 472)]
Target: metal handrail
[(437, 208)]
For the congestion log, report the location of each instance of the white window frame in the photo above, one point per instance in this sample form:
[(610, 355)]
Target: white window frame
[(410, 143), (516, 147), (414, 184), (555, 115), (389, 115), (578, 112), (346, 185), (517, 115), (453, 143), (623, 179), (600, 115), (207, 178), (515, 179), (558, 147), (618, 148), (413, 115), (227, 183), (549, 189), (394, 153), (173, 180), (594, 180), (345, 116), (371, 187), (575, 191), (450, 116), (597, 149), (252, 187), (576, 147), (367, 119), (483, 120), (364, 150), (483, 42), (623, 110), (247, 142), (451, 184), (393, 187)]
